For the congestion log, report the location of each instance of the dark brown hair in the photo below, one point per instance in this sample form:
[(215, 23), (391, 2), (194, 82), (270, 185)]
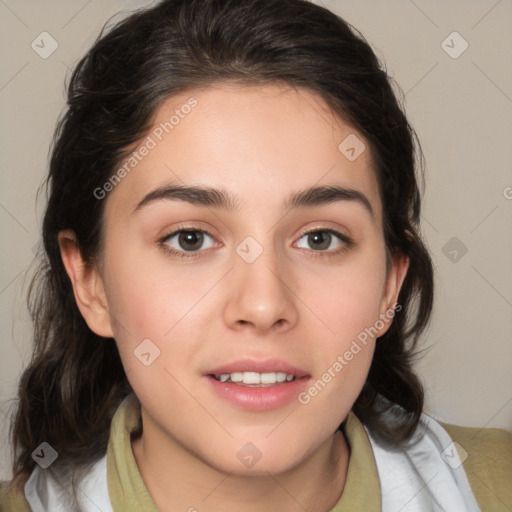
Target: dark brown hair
[(75, 379)]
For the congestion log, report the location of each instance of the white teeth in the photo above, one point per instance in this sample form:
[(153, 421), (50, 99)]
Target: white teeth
[(255, 378), (281, 377), (252, 378), (268, 378)]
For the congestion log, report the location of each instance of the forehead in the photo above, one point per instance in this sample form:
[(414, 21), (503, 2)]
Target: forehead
[(262, 142)]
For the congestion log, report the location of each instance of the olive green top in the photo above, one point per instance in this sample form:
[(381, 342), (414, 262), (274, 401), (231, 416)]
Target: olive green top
[(488, 467)]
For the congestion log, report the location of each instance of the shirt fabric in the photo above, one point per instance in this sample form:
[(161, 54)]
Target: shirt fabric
[(428, 476)]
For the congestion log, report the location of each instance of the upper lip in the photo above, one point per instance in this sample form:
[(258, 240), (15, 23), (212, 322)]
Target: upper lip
[(259, 366)]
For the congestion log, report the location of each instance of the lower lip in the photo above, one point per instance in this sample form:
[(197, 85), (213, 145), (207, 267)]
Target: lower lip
[(258, 398)]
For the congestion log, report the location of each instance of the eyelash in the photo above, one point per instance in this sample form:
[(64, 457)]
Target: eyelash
[(347, 241)]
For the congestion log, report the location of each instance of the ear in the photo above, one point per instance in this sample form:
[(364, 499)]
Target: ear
[(87, 286), (394, 281)]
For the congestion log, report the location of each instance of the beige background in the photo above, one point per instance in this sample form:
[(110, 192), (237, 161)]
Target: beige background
[(461, 108)]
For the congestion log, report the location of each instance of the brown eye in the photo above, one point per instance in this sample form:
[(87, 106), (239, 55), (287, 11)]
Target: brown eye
[(190, 240), (182, 241), (320, 240)]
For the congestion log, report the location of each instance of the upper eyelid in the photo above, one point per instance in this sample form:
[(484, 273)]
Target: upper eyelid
[(177, 230)]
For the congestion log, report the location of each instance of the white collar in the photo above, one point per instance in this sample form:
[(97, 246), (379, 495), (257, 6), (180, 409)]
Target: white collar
[(426, 476), (47, 490)]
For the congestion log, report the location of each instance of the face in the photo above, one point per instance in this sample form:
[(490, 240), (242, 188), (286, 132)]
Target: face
[(202, 292)]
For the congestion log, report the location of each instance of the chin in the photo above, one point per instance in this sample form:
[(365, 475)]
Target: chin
[(250, 461)]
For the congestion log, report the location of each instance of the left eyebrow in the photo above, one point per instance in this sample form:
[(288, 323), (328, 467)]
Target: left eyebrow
[(222, 199)]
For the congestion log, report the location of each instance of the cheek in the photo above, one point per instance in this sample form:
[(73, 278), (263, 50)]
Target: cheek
[(342, 336), (150, 337), (137, 309), (145, 296), (342, 346), (346, 301), (151, 300)]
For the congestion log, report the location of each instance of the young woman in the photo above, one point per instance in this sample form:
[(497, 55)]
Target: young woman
[(235, 283)]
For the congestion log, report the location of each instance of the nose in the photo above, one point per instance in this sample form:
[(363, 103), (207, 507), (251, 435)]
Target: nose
[(261, 294)]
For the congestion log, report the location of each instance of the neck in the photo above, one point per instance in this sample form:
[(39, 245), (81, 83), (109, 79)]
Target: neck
[(189, 483)]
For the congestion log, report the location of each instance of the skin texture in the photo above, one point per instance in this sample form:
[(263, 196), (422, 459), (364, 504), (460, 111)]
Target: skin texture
[(261, 143)]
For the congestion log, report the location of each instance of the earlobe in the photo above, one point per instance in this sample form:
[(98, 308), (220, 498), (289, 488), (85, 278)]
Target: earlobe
[(87, 286), (394, 283)]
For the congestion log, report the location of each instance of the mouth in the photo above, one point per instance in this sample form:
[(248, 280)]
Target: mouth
[(257, 385), (255, 379)]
